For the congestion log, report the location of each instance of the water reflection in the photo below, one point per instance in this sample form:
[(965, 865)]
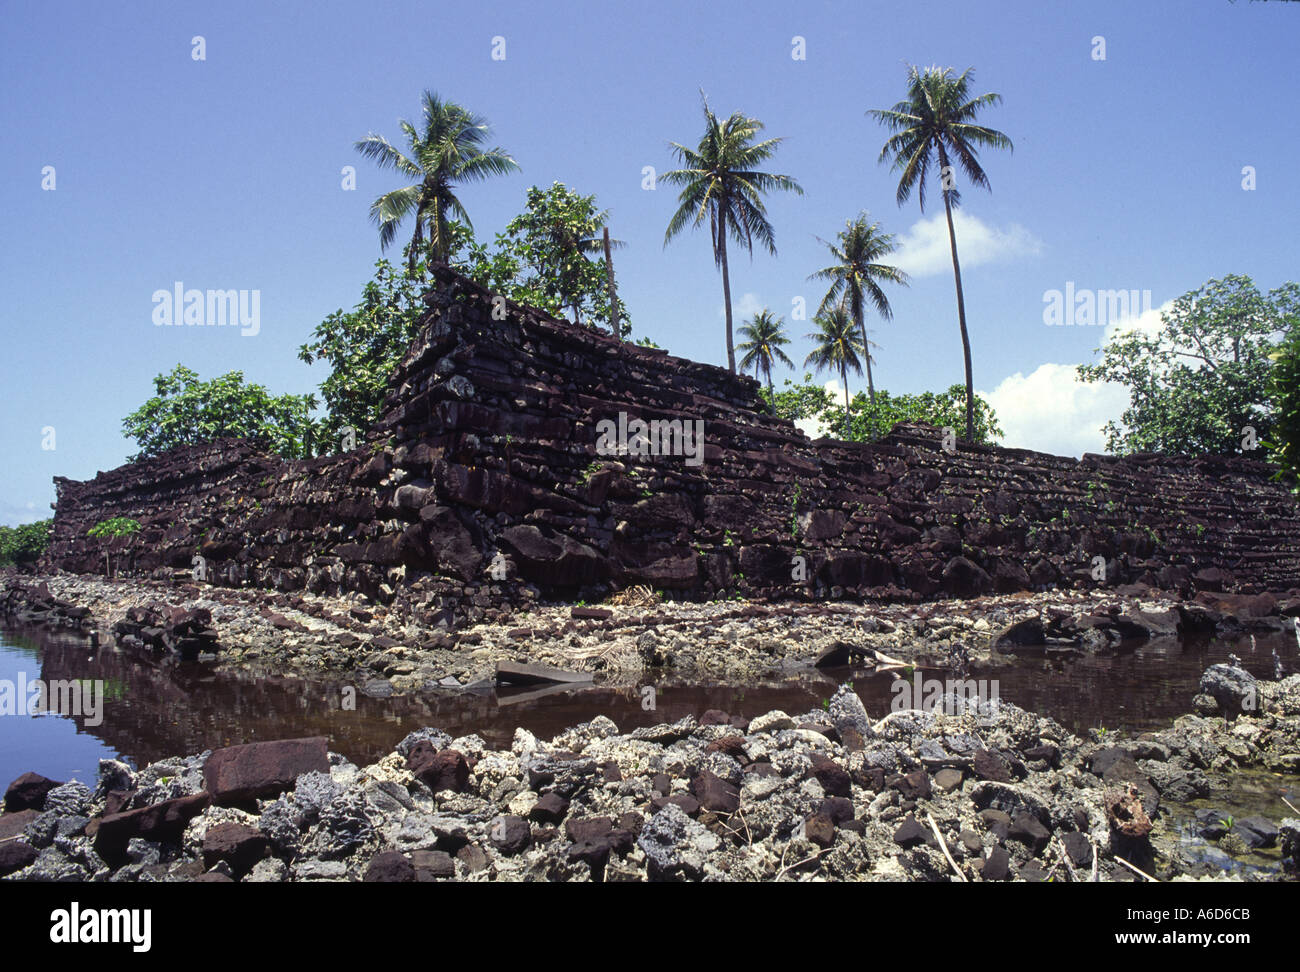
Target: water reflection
[(152, 711)]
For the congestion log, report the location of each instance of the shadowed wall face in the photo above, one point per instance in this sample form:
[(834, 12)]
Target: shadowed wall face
[(520, 455)]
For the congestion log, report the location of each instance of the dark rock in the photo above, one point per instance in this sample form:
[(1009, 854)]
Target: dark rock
[(13, 824), (912, 786), (511, 834), (688, 804), (389, 867), (997, 866), (588, 829), (15, 855), (1257, 832), (1024, 633), (1078, 848), (961, 578), (715, 794), (910, 833), (991, 766), (28, 792), (238, 775), (444, 770), (838, 809), (433, 864), (238, 845), (1027, 829), (833, 777), (550, 808), (820, 829), (997, 821), (162, 822)]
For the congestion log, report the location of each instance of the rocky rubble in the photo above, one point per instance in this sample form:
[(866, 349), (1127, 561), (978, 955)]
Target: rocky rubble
[(388, 653), (827, 795)]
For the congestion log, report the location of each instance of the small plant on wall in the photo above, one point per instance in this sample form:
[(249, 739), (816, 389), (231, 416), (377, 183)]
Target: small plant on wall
[(113, 528)]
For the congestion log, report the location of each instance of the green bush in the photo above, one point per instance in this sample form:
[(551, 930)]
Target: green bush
[(23, 544), (118, 526)]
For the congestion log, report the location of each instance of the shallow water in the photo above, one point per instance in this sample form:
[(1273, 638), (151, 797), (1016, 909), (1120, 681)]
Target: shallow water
[(1248, 793), (152, 711)]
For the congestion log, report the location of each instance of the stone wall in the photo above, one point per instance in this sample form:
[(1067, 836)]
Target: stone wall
[(487, 454)]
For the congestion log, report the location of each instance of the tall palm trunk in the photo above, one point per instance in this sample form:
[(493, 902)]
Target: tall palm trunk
[(961, 310), (726, 286), (609, 280), (862, 326), (844, 377)]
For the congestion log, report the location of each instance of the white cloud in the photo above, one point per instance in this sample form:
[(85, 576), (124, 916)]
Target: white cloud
[(742, 310), (1149, 321), (815, 428), (924, 249), (1051, 410)]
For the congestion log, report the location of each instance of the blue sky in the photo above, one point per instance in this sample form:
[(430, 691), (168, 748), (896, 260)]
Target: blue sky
[(226, 173)]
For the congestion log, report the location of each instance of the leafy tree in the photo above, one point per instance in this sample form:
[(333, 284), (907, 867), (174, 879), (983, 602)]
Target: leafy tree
[(363, 346), (836, 346), (803, 401), (721, 181), (187, 411), (856, 274), (1284, 392), (1198, 383), (934, 125), (869, 419), (447, 151), (547, 247), (22, 545), (764, 337)]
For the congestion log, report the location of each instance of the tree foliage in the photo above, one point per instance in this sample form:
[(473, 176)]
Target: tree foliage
[(856, 275), (764, 340), (551, 256), (803, 401), (1202, 380), (721, 182), (363, 346), (1284, 392), (870, 420), (448, 149), (22, 545), (931, 129), (187, 411)]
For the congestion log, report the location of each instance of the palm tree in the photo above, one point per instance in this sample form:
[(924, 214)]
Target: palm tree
[(448, 151), (721, 181), (934, 125), (856, 273), (836, 345), (574, 243), (765, 336)]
